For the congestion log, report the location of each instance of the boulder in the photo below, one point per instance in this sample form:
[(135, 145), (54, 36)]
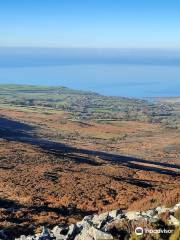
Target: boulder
[(116, 214), (160, 210), (88, 218), (21, 238), (83, 236), (99, 235), (100, 220), (151, 213), (132, 215), (64, 232), (73, 231), (93, 234), (60, 232), (174, 221), (175, 208)]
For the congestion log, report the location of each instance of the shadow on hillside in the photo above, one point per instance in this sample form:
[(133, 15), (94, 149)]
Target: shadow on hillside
[(16, 131), (9, 204), (25, 224)]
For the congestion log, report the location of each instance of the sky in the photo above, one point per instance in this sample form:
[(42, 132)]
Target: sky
[(90, 23)]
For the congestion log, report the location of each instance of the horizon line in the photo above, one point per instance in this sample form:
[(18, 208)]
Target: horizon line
[(91, 48), (87, 91)]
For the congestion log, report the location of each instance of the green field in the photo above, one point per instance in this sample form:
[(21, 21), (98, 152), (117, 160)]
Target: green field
[(84, 105)]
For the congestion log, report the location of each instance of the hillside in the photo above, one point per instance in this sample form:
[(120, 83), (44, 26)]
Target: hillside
[(65, 154), (90, 106), (158, 223)]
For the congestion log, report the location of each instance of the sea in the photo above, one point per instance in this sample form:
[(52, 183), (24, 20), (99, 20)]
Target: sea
[(129, 73)]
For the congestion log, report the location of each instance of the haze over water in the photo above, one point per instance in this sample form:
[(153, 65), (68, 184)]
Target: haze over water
[(130, 73)]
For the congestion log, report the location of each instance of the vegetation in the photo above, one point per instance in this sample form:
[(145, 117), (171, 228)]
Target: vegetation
[(65, 154), (83, 105)]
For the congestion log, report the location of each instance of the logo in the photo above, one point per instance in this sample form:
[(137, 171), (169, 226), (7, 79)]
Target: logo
[(139, 231)]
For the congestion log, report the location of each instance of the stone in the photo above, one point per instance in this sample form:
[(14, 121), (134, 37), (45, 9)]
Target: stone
[(99, 235), (132, 215), (116, 214), (151, 212), (97, 227), (73, 231), (161, 210), (83, 236), (88, 218), (175, 208), (26, 238), (64, 232), (174, 221), (153, 219), (21, 238), (113, 214), (93, 233), (86, 226), (84, 231), (100, 220), (59, 232)]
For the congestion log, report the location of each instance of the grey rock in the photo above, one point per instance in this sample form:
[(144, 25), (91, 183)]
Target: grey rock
[(161, 210), (174, 221), (100, 220), (21, 238), (60, 232), (99, 235), (73, 231), (83, 236), (26, 238), (96, 227), (153, 219), (64, 232), (84, 233), (88, 218), (175, 208), (151, 213), (86, 226), (116, 214), (93, 234), (133, 215)]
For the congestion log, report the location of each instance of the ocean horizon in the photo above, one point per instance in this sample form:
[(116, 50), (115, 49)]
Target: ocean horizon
[(111, 72)]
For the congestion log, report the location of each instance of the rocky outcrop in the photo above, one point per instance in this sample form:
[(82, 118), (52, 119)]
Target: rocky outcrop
[(107, 226)]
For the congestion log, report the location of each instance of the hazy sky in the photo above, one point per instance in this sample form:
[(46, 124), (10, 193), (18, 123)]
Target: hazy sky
[(90, 23)]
